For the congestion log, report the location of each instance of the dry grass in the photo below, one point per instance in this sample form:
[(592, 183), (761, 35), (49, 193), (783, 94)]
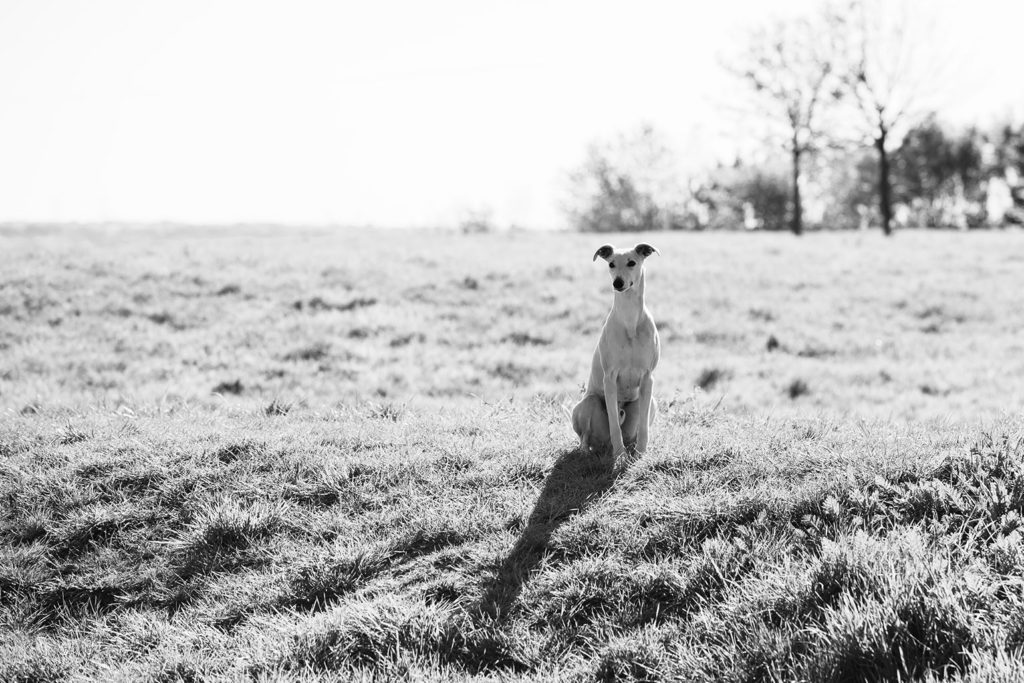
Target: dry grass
[(286, 454)]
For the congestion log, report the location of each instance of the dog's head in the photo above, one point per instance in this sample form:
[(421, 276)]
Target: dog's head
[(626, 266)]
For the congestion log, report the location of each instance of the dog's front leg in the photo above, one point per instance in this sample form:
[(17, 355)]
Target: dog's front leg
[(643, 430), (611, 403)]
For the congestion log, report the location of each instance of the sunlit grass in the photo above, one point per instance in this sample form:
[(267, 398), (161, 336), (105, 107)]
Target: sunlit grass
[(201, 479)]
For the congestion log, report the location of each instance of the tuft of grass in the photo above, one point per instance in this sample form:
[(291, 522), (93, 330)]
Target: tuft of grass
[(406, 339), (243, 450), (166, 318), (234, 387), (277, 407), (91, 527), (317, 351), (797, 388), (895, 621), (590, 590), (26, 529), (761, 314), (229, 289), (318, 584), (222, 533), (631, 659), (709, 377), (320, 488), (525, 339), (513, 372), (34, 667), (371, 636), (320, 304), (815, 351), (387, 411), (932, 390), (71, 435)]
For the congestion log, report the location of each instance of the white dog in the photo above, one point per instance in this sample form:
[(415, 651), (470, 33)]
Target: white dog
[(618, 408)]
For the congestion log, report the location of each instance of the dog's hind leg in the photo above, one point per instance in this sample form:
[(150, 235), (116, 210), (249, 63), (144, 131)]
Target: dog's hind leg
[(590, 422)]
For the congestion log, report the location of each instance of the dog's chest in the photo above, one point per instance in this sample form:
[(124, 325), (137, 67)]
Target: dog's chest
[(637, 350), (633, 356)]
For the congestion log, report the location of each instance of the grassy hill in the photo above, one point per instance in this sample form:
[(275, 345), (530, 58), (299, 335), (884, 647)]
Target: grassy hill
[(303, 454)]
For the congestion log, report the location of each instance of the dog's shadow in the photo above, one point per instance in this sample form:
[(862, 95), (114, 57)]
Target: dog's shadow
[(576, 481)]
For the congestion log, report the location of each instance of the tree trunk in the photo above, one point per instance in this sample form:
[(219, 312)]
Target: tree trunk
[(797, 219), (884, 183)]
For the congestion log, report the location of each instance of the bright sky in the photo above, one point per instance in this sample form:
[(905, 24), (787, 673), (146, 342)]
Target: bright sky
[(387, 113)]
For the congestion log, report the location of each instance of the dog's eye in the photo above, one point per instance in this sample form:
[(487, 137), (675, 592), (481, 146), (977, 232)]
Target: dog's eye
[(611, 265), (631, 264)]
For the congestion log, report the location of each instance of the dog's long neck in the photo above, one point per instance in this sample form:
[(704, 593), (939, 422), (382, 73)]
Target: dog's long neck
[(629, 305)]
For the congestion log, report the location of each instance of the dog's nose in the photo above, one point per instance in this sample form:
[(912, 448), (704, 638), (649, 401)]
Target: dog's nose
[(617, 283)]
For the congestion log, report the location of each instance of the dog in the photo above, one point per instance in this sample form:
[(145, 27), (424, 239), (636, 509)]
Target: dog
[(618, 408)]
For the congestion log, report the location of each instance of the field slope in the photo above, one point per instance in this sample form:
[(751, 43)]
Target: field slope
[(266, 454)]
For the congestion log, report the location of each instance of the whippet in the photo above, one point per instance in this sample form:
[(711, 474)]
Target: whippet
[(618, 408)]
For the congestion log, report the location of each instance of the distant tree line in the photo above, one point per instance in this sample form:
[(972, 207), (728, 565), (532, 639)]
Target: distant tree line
[(850, 141)]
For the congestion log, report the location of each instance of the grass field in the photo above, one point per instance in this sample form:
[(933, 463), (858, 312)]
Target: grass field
[(300, 454)]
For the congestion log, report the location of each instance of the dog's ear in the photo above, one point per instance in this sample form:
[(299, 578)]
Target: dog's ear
[(645, 250), (604, 251)]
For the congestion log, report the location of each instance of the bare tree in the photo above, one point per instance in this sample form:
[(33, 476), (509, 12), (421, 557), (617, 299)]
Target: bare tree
[(889, 74), (790, 65)]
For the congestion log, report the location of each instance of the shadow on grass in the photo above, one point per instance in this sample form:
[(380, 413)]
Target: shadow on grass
[(577, 480)]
